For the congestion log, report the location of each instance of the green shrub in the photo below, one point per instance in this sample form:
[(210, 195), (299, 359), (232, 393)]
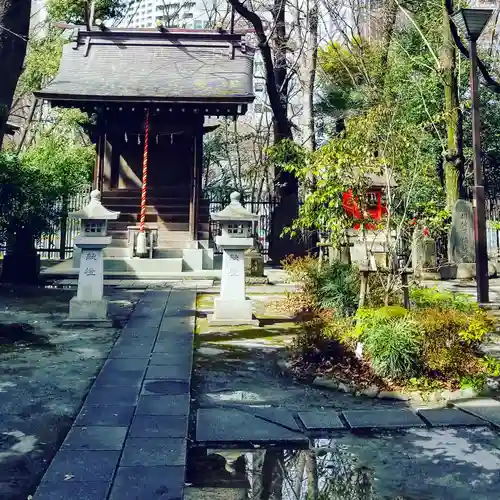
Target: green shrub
[(314, 346), (366, 317), (334, 287), (394, 347), (444, 349), (338, 288), (432, 298)]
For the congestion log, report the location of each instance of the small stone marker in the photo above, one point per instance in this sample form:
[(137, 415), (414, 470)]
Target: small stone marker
[(424, 255), (461, 240), (233, 307), (89, 306)]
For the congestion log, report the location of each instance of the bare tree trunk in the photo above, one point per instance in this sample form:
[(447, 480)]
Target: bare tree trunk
[(389, 21), (27, 123), (14, 28), (308, 76), (453, 165), (312, 475)]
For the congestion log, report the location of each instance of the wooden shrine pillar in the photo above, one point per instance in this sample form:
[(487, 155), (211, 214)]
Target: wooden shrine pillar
[(196, 176), (98, 179)]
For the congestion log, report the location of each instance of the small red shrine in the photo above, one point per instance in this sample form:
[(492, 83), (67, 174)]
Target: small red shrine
[(375, 202)]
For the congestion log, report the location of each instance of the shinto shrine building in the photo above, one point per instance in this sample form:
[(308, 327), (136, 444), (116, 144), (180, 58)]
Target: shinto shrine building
[(148, 93)]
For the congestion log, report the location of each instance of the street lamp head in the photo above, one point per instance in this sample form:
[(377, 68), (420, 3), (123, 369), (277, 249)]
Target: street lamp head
[(472, 21)]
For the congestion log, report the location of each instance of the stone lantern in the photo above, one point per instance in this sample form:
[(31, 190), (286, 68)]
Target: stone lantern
[(232, 306), (89, 306)]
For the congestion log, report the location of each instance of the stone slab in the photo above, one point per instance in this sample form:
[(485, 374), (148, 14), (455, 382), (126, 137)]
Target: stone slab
[(278, 416), (148, 483), (320, 420), (213, 321), (155, 451), (169, 372), (124, 395), (448, 417), (167, 358), (82, 466), (125, 364), (107, 415), (383, 419), (163, 405), (162, 426), (227, 425), (130, 351), (109, 378), (486, 409), (165, 387), (95, 438), (65, 490)]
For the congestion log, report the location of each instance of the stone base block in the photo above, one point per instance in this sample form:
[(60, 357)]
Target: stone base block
[(468, 270), (88, 312), (232, 312)]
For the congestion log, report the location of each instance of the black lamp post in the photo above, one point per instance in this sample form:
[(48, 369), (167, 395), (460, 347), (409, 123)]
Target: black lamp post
[(472, 23)]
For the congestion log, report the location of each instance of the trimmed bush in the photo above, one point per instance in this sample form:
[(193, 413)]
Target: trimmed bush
[(432, 298), (394, 347)]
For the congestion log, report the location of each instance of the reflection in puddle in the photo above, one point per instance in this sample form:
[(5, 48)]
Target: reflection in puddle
[(321, 473)]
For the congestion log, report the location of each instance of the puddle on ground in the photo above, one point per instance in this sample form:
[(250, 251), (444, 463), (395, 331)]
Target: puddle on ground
[(278, 474), (418, 464)]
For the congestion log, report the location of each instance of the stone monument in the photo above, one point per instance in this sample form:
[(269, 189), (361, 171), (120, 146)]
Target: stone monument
[(461, 246), (89, 305), (232, 306)]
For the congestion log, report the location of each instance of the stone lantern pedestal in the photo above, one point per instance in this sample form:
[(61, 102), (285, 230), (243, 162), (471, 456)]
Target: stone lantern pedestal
[(89, 305), (233, 307)]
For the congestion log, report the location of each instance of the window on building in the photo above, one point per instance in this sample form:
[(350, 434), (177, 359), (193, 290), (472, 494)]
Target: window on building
[(258, 108), (188, 15), (198, 25), (207, 25)]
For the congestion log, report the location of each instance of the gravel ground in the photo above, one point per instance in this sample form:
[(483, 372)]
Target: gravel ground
[(46, 370)]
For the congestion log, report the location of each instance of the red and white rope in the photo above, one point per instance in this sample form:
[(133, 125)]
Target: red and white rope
[(144, 174)]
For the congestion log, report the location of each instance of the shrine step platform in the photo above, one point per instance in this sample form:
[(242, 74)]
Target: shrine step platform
[(144, 269)]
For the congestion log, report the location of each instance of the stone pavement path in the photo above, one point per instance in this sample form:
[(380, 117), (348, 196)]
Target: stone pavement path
[(129, 439), (277, 426)]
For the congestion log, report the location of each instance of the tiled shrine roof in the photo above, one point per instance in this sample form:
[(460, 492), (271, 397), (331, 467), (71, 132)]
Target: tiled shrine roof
[(154, 66)]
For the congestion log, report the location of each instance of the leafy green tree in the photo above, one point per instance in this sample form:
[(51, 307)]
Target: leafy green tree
[(79, 11)]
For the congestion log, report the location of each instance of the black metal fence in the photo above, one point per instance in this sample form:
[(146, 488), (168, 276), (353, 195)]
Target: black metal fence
[(58, 241), (263, 209)]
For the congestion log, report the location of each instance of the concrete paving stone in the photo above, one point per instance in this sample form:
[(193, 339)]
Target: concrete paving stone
[(126, 364), (107, 415), (152, 452), (130, 351), (82, 466), (139, 330), (116, 395), (103, 437), (183, 333), (279, 416), (169, 372), (227, 425), (174, 348), (317, 420), (448, 417), (165, 387), (383, 419), (110, 378), (65, 490), (136, 338), (172, 358), (163, 405), (487, 410), (146, 426), (148, 483)]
